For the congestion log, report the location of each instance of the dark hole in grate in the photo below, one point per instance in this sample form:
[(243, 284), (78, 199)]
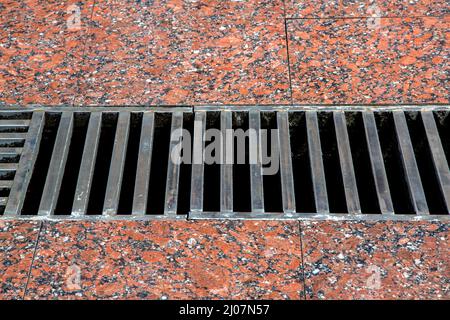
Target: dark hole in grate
[(160, 156), (241, 172), (393, 163), (211, 198), (424, 160), (443, 124), (271, 183), (361, 163), (72, 169), (37, 182), (303, 186), (16, 115), (333, 175), (184, 192), (102, 164), (130, 166)]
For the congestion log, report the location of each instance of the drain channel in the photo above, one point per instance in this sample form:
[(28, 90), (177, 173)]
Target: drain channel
[(123, 163)]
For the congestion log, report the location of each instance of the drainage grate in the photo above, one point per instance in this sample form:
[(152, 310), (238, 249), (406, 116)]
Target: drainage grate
[(121, 163), (334, 163), (93, 163)]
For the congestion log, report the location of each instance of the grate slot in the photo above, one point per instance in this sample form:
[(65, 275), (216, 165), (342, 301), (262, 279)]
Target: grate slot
[(241, 167), (365, 181), (173, 164), (102, 163), (27, 161), (12, 139), (377, 164), (158, 170), (226, 168), (411, 170), (303, 180), (86, 172), (256, 180), (10, 155), (115, 176), (130, 166), (273, 198), (14, 125), (345, 157), (144, 164), (72, 167), (439, 161), (57, 165), (197, 179)]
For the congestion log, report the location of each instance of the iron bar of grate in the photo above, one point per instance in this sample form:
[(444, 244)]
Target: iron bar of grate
[(6, 184), (438, 154), (316, 160), (7, 138), (345, 157), (115, 176), (413, 180), (26, 165), (197, 178), (11, 124), (377, 164), (10, 152), (287, 175), (144, 164), (173, 167), (7, 167), (226, 167), (87, 166), (256, 180), (57, 165)]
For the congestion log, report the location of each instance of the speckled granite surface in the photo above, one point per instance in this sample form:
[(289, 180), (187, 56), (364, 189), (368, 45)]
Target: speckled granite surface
[(376, 260), (224, 52), (396, 60), (40, 50), (174, 260), (365, 8), (226, 259), (17, 246), (182, 52)]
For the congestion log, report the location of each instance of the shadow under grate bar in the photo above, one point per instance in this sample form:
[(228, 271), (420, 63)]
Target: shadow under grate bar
[(96, 163)]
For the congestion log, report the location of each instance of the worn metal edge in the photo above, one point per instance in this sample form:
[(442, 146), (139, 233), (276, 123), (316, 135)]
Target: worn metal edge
[(31, 108), (230, 107), (321, 107), (96, 217), (313, 216)]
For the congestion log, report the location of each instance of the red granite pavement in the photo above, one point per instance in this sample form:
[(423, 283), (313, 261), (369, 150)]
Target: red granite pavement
[(177, 52)]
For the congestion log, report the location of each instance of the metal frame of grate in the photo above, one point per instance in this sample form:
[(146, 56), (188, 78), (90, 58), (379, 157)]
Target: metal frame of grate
[(21, 129)]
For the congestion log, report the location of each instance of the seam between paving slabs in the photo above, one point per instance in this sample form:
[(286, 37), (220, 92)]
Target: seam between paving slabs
[(302, 260), (286, 34), (36, 246), (87, 38)]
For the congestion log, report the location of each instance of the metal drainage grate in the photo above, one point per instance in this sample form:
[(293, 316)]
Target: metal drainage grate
[(115, 163), (335, 163), (93, 163)]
